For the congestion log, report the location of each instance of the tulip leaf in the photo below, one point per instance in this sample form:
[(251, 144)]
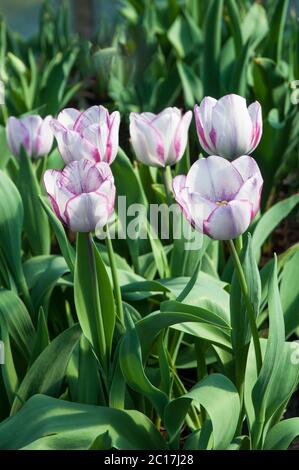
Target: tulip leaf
[(218, 395), (94, 297), (278, 376), (290, 294), (65, 246), (47, 372), (49, 423), (11, 222), (270, 220), (9, 374), (282, 434), (36, 223), (212, 49)]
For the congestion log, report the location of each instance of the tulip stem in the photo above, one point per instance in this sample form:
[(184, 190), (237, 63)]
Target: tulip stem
[(167, 178), (249, 307), (117, 291), (239, 244)]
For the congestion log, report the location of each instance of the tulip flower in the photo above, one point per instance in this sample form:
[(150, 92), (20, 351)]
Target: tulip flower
[(227, 127), (30, 132), (90, 135), (160, 139), (82, 195), (220, 198)]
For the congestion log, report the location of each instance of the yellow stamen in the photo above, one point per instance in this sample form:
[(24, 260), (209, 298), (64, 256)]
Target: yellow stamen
[(221, 203)]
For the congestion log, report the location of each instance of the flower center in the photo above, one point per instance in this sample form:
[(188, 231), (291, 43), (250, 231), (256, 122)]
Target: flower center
[(222, 203)]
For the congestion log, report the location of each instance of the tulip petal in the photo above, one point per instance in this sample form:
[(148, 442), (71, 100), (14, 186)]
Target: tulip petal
[(214, 178), (255, 113), (81, 177), (93, 115), (44, 138), (68, 116), (72, 146), (203, 120), (85, 212), (17, 135), (51, 178), (232, 126), (180, 139), (146, 140), (229, 221), (181, 195)]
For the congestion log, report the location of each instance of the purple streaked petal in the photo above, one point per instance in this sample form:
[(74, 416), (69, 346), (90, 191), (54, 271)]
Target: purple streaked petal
[(181, 135), (17, 135), (72, 146), (67, 117), (146, 141), (251, 191), (203, 120), (93, 115), (86, 212), (44, 138), (233, 125), (81, 177), (229, 221), (214, 178), (255, 113)]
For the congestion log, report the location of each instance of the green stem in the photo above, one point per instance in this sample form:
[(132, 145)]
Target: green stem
[(239, 244), (167, 179), (249, 307), (117, 291), (96, 300)]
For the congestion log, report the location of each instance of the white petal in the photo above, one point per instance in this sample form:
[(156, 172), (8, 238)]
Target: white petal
[(93, 115), (255, 113), (86, 212), (180, 139), (17, 135), (214, 178), (232, 126), (68, 117), (146, 141), (203, 120), (72, 146), (229, 221), (44, 139)]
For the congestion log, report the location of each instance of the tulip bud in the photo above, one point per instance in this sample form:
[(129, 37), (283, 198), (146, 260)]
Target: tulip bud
[(31, 132), (227, 127), (160, 140), (82, 195), (220, 198), (90, 135)]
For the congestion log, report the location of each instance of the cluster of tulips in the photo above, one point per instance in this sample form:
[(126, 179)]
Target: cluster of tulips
[(219, 196)]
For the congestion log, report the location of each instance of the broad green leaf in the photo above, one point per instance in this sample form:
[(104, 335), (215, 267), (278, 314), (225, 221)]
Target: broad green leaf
[(241, 333), (218, 395), (19, 325), (289, 291), (94, 297), (279, 374), (9, 374), (270, 220), (42, 274), (65, 246), (42, 339), (36, 223), (133, 370), (48, 423), (275, 37), (212, 41), (47, 372), (282, 434), (11, 222)]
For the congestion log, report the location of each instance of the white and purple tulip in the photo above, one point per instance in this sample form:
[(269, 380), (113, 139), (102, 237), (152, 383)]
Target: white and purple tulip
[(227, 127), (88, 135), (160, 139), (82, 195), (33, 133), (220, 198)]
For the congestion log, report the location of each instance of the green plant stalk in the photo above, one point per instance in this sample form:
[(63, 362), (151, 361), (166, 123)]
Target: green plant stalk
[(249, 307), (167, 179), (201, 367), (96, 300), (117, 291), (239, 244)]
